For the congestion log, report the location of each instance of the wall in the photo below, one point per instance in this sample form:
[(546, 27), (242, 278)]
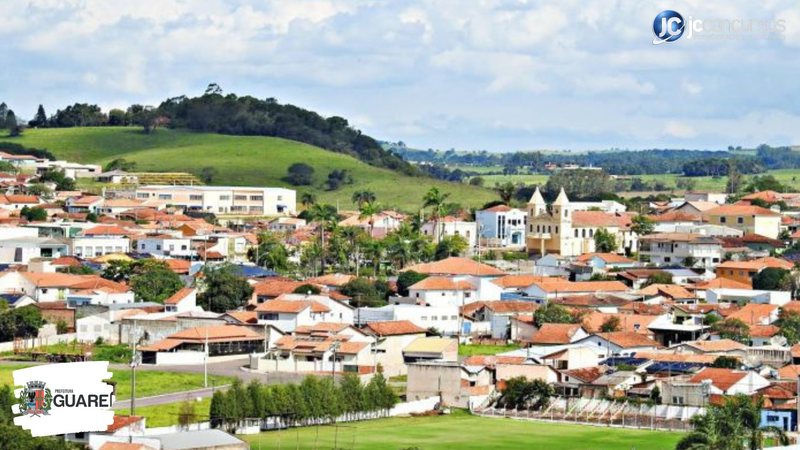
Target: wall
[(179, 358)]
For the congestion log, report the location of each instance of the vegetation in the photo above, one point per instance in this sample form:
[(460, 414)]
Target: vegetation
[(605, 241), (35, 214), (485, 349), (520, 393), (552, 313), (150, 280), (736, 425), (733, 329), (239, 160), (408, 279), (191, 410), (773, 279), (14, 437), (224, 289), (726, 362), (20, 322), (300, 174), (315, 398)]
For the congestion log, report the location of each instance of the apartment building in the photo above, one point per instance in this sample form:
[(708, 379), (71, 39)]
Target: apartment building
[(259, 201), (674, 248)]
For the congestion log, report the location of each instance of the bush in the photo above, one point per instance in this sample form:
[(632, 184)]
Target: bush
[(300, 174)]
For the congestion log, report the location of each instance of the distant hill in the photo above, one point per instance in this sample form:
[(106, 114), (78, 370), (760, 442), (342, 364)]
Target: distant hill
[(242, 160)]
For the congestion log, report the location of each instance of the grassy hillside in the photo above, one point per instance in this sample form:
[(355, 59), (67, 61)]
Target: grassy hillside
[(241, 160)]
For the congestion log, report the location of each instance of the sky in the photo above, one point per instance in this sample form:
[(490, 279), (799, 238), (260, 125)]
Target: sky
[(470, 75)]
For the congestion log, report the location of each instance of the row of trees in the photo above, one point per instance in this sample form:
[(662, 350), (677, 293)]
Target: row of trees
[(315, 400)]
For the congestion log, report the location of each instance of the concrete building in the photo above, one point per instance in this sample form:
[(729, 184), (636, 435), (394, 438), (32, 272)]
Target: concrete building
[(452, 226), (241, 200), (502, 226), (747, 218), (674, 248)]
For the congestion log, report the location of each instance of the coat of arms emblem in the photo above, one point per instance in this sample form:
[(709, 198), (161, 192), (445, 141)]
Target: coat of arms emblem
[(35, 399)]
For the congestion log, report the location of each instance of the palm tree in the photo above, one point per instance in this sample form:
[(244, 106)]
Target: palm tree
[(308, 199), (362, 197), (367, 211), (324, 214), (435, 199), (374, 251)]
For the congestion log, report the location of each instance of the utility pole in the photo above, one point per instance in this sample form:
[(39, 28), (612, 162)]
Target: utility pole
[(134, 363), (205, 363)]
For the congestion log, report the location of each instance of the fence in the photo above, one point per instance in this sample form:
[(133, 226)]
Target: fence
[(31, 343), (603, 412)]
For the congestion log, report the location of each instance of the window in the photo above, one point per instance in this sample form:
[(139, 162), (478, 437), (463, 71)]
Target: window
[(722, 220), (280, 198), (224, 197), (196, 197), (677, 400), (240, 197), (269, 316), (256, 198), (434, 317), (165, 196), (158, 246), (453, 317), (740, 220), (424, 318), (142, 195)]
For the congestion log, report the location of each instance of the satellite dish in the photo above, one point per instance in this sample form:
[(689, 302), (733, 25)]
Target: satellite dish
[(752, 361)]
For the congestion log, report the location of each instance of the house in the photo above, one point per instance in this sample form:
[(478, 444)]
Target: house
[(444, 319), (286, 224), (558, 334), (682, 248), (442, 291), (117, 177), (101, 240), (207, 439), (76, 289), (454, 383), (558, 228), (57, 313), (190, 346), (698, 389), (325, 347), (166, 245), (552, 287), (121, 430), (620, 343), (286, 315), (21, 250), (449, 226), (391, 337), (742, 296), (431, 349), (747, 218), (454, 266), (745, 271), (498, 314), (606, 261), (502, 226), (247, 200), (698, 196), (85, 204), (184, 300)]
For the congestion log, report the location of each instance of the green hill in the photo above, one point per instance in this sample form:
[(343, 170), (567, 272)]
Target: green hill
[(242, 160)]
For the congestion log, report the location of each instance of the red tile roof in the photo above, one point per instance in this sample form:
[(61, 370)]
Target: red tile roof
[(628, 339), (393, 328), (555, 333), (179, 296), (121, 421), (441, 284), (723, 379), (456, 266)]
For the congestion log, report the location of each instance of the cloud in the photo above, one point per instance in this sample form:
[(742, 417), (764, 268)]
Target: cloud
[(482, 74)]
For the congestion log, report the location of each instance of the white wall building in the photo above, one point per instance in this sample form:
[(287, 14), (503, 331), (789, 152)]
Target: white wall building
[(247, 200), (502, 226)]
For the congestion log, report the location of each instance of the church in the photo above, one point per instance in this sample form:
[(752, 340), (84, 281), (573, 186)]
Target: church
[(568, 230)]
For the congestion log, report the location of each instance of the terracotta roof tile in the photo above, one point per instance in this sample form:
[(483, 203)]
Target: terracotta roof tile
[(121, 421), (744, 210), (555, 333), (723, 379), (628, 339), (456, 266), (608, 258), (393, 328), (718, 345), (755, 313), (179, 296), (441, 284)]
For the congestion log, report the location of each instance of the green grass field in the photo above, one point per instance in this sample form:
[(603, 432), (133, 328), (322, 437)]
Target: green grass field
[(463, 431), (242, 160), (166, 415), (148, 382), (484, 349)]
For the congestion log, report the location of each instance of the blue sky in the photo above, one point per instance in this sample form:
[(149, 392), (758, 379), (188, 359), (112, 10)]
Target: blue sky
[(469, 74)]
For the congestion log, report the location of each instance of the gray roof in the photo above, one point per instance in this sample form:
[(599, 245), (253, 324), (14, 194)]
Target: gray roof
[(186, 440)]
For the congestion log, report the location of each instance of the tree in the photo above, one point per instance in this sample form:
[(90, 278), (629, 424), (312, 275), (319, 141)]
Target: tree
[(725, 362), (407, 279), (364, 292), (789, 324), (773, 279), (207, 174), (270, 252), (12, 124), (57, 176), (689, 261), (120, 164), (40, 119), (522, 393), (552, 313), (20, 322), (450, 246), (224, 289), (307, 199), (476, 181), (35, 214), (360, 198), (338, 178), (153, 281), (734, 425), (435, 200), (733, 329), (300, 174), (642, 225), (505, 191), (611, 324), (658, 278), (605, 241), (186, 414), (307, 289)]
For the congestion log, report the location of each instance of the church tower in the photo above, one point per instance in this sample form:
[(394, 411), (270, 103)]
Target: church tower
[(536, 206)]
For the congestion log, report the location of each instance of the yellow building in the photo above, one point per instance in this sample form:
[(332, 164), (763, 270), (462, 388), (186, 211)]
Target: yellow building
[(748, 218), (557, 228)]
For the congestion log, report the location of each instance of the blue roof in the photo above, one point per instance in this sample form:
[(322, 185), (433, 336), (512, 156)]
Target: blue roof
[(627, 360), (674, 367), (11, 298), (253, 271)]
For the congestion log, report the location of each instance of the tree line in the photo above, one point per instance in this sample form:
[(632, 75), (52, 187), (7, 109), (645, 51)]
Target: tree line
[(315, 400)]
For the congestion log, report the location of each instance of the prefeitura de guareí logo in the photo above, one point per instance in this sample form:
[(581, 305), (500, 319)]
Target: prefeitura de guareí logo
[(35, 399), (63, 398)]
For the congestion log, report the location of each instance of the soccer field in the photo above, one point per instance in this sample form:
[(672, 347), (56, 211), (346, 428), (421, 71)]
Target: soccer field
[(463, 431)]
